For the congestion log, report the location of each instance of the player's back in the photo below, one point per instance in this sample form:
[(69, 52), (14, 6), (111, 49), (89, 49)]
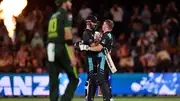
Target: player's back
[(56, 27)]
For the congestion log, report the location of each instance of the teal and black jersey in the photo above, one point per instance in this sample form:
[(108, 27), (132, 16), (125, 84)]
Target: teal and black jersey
[(57, 24)]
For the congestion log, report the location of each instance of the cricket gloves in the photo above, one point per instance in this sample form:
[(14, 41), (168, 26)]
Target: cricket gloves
[(76, 46), (84, 47), (79, 46)]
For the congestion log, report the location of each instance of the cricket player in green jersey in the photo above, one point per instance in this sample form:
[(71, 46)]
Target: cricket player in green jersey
[(60, 51)]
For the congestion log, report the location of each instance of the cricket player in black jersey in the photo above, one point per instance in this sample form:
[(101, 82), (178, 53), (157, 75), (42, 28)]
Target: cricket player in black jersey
[(88, 39), (98, 78)]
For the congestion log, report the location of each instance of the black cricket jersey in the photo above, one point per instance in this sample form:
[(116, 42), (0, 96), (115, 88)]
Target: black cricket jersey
[(88, 39), (107, 41)]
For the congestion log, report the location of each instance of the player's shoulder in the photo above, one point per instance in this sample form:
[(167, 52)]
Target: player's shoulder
[(87, 32), (108, 35), (59, 12)]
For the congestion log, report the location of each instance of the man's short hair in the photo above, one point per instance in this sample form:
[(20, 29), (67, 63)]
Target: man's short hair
[(109, 23)]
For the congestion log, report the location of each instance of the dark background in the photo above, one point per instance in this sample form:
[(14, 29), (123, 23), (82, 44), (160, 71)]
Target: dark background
[(96, 4)]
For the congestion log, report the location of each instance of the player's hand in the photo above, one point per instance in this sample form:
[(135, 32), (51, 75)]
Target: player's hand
[(84, 47), (97, 36), (76, 46)]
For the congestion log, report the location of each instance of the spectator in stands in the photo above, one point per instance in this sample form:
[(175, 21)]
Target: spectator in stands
[(36, 67), (39, 54), (171, 11), (4, 49), (137, 29), (142, 43), (38, 14), (164, 61), (157, 17), (136, 15), (117, 15), (21, 38), (84, 12), (146, 15), (20, 61), (122, 39), (165, 43), (149, 61), (37, 40), (126, 61), (30, 22), (151, 35), (174, 29), (6, 63)]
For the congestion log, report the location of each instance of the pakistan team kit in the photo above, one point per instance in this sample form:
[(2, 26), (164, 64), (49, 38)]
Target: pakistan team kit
[(59, 55)]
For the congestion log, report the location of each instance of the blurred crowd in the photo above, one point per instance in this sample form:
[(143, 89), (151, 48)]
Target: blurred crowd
[(147, 39), (27, 53)]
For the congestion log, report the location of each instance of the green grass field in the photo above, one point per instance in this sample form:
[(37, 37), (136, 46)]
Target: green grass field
[(100, 99)]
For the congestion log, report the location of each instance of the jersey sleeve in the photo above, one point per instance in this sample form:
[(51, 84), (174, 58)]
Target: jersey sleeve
[(68, 20), (104, 41), (107, 41)]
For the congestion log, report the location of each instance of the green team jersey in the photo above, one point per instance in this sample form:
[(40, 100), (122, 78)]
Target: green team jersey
[(58, 22)]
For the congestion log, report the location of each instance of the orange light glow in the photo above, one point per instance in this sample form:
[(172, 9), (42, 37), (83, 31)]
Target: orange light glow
[(9, 9)]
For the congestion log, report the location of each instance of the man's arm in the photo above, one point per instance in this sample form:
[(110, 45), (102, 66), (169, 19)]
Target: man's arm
[(68, 33), (70, 46), (68, 39), (103, 42), (97, 48)]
